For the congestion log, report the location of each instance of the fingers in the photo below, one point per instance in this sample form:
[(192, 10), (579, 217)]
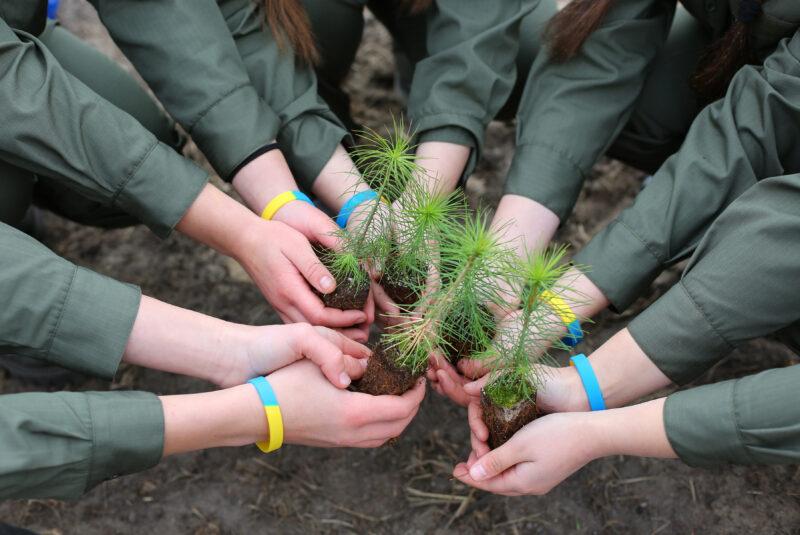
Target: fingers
[(452, 387), (302, 256), (354, 368), (347, 345), (502, 484), (495, 462), (318, 314), (326, 355), (388, 408), (324, 232), (353, 333), (473, 368), (474, 388), (476, 423)]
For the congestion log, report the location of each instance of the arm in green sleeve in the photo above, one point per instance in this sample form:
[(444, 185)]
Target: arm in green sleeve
[(62, 445), (749, 135), (753, 420), (56, 126), (469, 72), (185, 51), (741, 283), (571, 112), (56, 311)]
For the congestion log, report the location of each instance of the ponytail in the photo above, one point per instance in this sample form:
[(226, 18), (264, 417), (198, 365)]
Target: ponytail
[(724, 57), (291, 27), (570, 27), (414, 7)]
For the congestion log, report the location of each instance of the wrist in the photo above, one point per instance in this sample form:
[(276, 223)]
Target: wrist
[(262, 179)]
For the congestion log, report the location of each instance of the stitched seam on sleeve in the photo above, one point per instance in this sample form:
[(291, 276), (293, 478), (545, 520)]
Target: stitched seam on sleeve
[(646, 245), (51, 339), (705, 316), (213, 105), (561, 152), (90, 476), (738, 427), (133, 172)]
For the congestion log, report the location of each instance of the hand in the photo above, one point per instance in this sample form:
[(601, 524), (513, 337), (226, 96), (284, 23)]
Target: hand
[(317, 414), (310, 221), (254, 351), (282, 263), (537, 458)]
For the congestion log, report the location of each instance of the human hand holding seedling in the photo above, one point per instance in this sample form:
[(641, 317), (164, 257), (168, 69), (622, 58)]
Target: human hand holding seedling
[(548, 450), (339, 417)]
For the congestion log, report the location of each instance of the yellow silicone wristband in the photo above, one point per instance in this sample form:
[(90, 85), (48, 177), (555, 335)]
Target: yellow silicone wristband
[(275, 421), (559, 306), (279, 202)]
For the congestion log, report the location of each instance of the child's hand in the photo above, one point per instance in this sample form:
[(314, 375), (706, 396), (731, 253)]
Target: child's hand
[(537, 458), (262, 350), (317, 414)]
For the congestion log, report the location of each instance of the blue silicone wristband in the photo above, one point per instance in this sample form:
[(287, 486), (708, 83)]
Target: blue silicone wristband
[(589, 380), (352, 204), (265, 391), (574, 334)]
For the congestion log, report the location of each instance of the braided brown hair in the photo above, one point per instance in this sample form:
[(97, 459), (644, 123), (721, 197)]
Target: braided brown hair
[(570, 27)]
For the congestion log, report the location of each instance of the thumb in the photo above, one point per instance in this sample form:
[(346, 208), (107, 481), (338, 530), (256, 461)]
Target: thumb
[(329, 358), (495, 462), (302, 256)]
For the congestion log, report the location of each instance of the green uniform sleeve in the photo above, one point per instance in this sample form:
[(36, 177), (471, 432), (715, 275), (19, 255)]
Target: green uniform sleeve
[(753, 420), (571, 112), (740, 283), (56, 311), (54, 125), (62, 445), (749, 135), (469, 71), (184, 50)]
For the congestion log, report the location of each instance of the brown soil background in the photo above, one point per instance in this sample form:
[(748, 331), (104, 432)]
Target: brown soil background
[(406, 488)]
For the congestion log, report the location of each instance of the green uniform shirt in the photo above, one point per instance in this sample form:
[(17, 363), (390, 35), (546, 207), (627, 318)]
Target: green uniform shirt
[(63, 444)]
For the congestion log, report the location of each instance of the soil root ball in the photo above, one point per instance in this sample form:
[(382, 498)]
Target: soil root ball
[(348, 294), (503, 422), (383, 376)]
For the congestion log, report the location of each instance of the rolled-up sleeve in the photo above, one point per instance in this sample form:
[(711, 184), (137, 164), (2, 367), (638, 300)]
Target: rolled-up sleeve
[(571, 112), (185, 51), (55, 125), (753, 420), (56, 311), (61, 445), (748, 136), (469, 72)]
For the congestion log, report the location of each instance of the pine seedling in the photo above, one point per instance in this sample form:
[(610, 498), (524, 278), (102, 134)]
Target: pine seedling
[(522, 348), (472, 266)]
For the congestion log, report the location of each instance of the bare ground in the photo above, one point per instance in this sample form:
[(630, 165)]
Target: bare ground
[(406, 488)]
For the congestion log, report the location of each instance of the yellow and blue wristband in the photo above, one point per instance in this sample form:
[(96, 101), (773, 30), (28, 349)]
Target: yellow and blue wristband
[(590, 383), (273, 412), (571, 321), (281, 200), (353, 203)]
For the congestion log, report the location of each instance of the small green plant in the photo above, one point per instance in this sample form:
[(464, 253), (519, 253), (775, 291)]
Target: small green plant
[(471, 266), (522, 346)]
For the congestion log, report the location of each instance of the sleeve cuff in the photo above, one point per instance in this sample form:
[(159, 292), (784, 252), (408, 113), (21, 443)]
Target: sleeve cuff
[(451, 128), (752, 420), (308, 142), (620, 264), (128, 434), (546, 175), (161, 189), (677, 336), (94, 324), (235, 127), (701, 425)]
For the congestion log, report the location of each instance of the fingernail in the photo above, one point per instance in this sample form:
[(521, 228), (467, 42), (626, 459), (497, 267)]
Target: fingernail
[(477, 472), (326, 283), (344, 379), (364, 363)]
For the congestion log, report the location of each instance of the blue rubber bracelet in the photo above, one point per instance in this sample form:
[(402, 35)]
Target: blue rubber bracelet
[(52, 9), (352, 204), (589, 380), (265, 391), (574, 334)]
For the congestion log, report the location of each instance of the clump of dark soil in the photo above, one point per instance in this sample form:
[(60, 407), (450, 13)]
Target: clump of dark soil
[(504, 422), (402, 286), (461, 344), (349, 293), (383, 376)]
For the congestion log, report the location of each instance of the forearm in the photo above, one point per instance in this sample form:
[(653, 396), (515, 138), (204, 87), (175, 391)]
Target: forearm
[(638, 430), (230, 417), (196, 345), (443, 163), (338, 180)]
